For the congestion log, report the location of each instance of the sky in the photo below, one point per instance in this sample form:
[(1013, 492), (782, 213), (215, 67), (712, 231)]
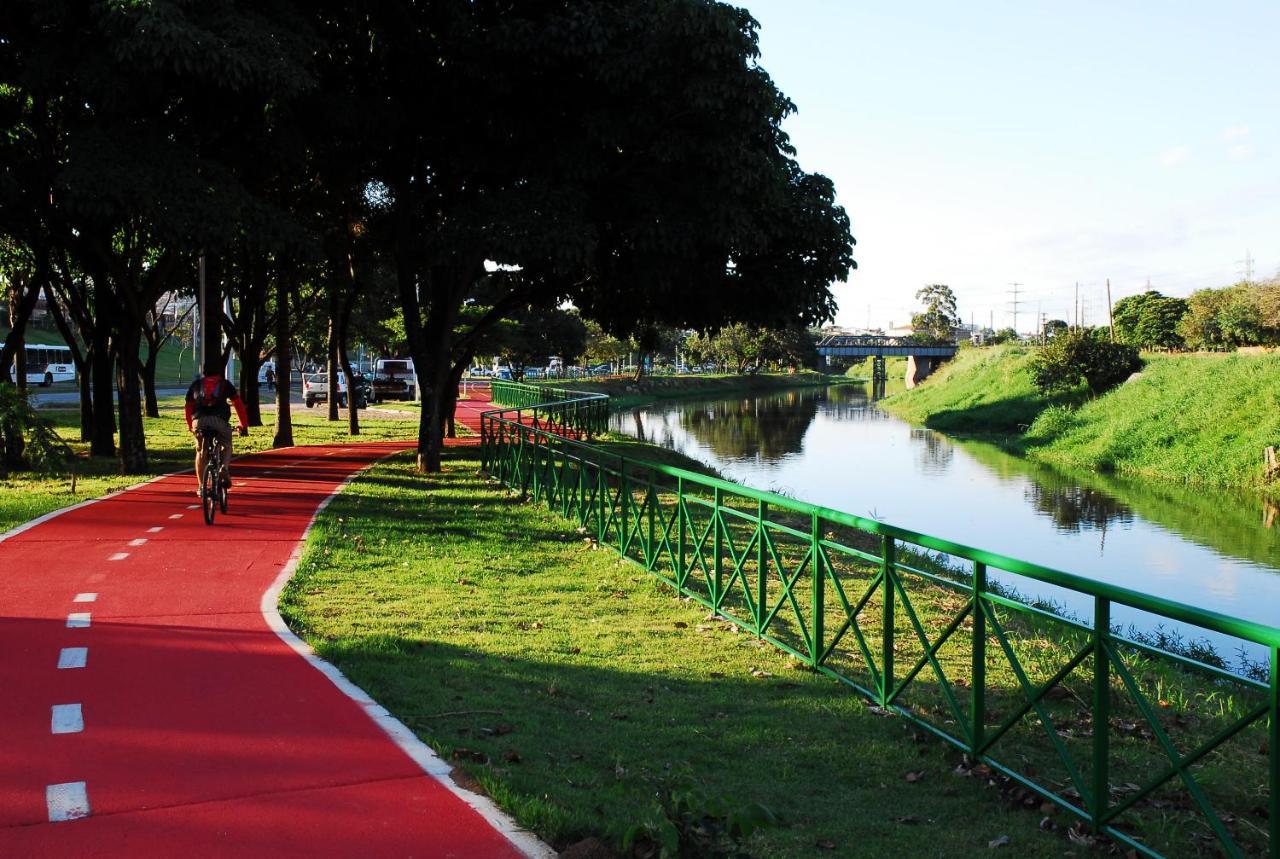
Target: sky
[(990, 143)]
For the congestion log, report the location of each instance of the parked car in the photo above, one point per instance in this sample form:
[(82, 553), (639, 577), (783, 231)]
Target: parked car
[(315, 389)]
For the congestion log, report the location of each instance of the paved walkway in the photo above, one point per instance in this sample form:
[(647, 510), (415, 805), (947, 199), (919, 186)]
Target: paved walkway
[(149, 707)]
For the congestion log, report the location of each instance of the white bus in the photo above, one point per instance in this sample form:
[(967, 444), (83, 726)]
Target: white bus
[(49, 364)]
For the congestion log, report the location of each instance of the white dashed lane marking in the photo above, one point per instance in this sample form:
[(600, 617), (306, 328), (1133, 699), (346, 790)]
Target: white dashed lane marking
[(97, 577), (175, 515), (78, 620), (67, 719), (73, 657), (193, 506), (118, 556), (67, 801), (157, 529), (138, 541), (86, 598)]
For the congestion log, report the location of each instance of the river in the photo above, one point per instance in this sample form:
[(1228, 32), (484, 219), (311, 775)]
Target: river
[(1215, 549)]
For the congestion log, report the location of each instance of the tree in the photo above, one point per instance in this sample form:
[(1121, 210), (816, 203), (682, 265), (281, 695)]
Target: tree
[(648, 191), (1077, 355), (1224, 318), (533, 334), (938, 320), (1149, 320), (1004, 335), (1054, 327)]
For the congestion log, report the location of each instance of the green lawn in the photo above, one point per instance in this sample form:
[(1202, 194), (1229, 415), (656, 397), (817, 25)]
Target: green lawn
[(573, 686)]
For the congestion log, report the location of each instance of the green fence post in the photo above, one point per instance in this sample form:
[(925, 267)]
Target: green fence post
[(535, 467), (682, 574), (623, 497), (819, 585), (1101, 713), (1273, 747), (715, 569), (978, 669), (601, 493), (887, 570), (651, 550), (762, 567)]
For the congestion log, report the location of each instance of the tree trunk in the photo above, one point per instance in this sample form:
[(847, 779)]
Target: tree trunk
[(18, 332), (22, 299), (102, 440), (12, 446), (85, 383), (82, 361), (149, 382), (250, 394), (344, 359), (133, 440), (353, 413), (332, 368), (284, 371)]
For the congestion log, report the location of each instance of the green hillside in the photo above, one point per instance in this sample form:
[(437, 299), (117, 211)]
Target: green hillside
[(981, 391), (1201, 419)]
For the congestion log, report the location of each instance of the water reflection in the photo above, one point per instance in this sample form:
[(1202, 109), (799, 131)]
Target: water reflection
[(934, 453), (835, 447), (1073, 507)]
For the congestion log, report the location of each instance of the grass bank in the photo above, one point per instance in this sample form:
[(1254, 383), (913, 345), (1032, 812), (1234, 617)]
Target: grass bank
[(1199, 419), (575, 689), (624, 391), (25, 496)]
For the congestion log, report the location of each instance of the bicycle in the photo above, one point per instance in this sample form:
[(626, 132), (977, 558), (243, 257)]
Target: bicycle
[(213, 488)]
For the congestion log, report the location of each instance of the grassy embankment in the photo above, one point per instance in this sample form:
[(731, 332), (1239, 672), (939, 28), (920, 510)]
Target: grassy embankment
[(573, 688), (624, 391), (1195, 419), (25, 496)]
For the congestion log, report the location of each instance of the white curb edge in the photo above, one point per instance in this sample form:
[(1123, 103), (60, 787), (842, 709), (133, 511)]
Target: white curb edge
[(421, 754)]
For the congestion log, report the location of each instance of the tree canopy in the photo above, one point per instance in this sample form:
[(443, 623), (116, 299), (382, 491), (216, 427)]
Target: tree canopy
[(352, 160)]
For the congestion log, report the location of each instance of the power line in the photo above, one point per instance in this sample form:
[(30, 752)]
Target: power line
[(1015, 303), (1247, 262)]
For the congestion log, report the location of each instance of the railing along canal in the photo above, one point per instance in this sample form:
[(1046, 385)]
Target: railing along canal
[(1159, 748)]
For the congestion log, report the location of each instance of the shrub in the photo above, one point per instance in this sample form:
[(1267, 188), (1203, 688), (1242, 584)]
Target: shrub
[(1078, 355)]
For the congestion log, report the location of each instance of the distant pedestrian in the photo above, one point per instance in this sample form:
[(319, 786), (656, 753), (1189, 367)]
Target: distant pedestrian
[(271, 379)]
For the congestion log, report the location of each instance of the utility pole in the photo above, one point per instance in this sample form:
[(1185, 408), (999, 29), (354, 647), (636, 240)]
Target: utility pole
[(1015, 304), (1111, 319), (1077, 310), (1247, 262)]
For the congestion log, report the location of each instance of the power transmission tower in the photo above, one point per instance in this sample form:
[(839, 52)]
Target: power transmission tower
[(1015, 303), (1247, 262)]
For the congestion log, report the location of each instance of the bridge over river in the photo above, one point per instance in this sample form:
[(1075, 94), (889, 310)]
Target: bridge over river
[(922, 358)]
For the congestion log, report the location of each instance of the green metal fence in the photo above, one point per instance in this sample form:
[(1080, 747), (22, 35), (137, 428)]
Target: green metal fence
[(576, 414), (1158, 747)]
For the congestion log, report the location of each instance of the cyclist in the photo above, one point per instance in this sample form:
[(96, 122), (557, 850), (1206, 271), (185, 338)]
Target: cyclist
[(209, 402)]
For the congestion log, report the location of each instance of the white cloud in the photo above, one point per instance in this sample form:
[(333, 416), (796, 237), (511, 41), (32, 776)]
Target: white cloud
[(1235, 132), (1241, 151), (1173, 157)]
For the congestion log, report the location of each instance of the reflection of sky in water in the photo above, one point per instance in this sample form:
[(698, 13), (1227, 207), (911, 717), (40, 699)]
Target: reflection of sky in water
[(865, 462)]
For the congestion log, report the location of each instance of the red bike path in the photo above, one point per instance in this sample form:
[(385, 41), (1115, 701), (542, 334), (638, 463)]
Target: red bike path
[(195, 726)]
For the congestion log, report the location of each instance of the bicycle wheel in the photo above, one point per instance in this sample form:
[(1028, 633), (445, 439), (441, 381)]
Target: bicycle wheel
[(209, 489), (224, 486)]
